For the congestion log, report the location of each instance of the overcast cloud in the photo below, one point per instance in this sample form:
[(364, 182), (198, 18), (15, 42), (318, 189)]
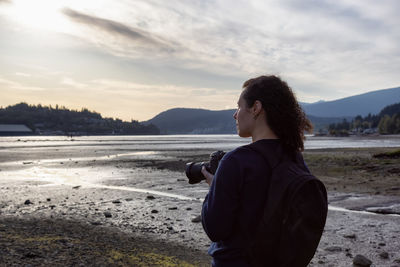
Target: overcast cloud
[(326, 49)]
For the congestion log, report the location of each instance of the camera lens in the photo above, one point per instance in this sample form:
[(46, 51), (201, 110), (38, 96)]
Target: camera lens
[(193, 172)]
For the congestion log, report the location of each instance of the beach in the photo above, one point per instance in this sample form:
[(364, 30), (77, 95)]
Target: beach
[(72, 201)]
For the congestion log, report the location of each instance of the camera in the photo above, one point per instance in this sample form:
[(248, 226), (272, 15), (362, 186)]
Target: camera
[(193, 169)]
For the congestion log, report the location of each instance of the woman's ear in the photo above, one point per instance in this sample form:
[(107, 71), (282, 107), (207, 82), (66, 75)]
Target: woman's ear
[(257, 107)]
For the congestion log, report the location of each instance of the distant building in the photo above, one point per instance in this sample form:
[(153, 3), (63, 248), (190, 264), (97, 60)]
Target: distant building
[(14, 129)]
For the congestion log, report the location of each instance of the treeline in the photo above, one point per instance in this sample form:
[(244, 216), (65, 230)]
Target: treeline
[(60, 120), (386, 122)]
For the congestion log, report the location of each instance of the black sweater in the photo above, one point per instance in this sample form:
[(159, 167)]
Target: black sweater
[(234, 205)]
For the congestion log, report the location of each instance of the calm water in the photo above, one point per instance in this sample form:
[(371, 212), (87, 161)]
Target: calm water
[(184, 142)]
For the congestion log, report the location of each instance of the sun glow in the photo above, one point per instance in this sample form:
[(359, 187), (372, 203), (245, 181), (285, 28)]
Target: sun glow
[(40, 15)]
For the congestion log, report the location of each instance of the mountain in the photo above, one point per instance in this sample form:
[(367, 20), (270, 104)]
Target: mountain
[(194, 121), (363, 104), (202, 121)]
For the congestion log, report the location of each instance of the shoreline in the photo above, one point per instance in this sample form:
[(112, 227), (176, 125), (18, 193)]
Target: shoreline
[(62, 190)]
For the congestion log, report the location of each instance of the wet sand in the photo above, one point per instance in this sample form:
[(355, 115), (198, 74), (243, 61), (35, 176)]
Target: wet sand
[(139, 202)]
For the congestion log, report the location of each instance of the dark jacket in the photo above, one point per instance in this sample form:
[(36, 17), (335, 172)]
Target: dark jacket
[(234, 205), (233, 208)]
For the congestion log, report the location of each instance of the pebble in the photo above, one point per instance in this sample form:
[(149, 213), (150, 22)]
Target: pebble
[(107, 214), (116, 201), (384, 255), (27, 202), (48, 199), (128, 199), (76, 187), (334, 249), (188, 208), (196, 219), (150, 197), (351, 236), (173, 208), (360, 260), (154, 211)]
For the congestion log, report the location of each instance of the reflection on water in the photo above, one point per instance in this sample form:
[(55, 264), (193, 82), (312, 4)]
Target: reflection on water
[(173, 142)]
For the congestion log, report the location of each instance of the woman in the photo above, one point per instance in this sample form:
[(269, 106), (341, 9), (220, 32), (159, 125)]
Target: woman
[(269, 113)]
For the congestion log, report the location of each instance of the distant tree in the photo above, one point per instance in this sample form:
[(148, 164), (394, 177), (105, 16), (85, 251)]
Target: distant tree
[(383, 124), (387, 122), (68, 121)]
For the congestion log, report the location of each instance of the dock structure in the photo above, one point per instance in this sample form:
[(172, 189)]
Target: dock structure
[(14, 130)]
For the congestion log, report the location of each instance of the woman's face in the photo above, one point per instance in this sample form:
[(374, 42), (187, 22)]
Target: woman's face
[(244, 118)]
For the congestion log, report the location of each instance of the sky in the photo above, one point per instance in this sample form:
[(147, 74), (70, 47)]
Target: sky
[(133, 59)]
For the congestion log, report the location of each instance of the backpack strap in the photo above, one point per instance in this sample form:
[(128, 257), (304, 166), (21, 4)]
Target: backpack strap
[(281, 161), (287, 177)]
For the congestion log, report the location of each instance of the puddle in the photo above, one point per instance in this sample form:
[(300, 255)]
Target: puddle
[(135, 155)]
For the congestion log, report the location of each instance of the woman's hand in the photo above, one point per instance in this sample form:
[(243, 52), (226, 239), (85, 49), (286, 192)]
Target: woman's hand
[(209, 176)]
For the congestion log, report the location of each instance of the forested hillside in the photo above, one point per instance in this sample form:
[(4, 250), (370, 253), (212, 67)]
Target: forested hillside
[(60, 120), (386, 122)]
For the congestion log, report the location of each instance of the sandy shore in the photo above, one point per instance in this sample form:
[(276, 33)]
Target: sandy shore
[(90, 206)]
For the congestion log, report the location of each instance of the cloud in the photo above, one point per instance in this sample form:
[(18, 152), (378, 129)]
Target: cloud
[(8, 84), (71, 82), (22, 74), (144, 39)]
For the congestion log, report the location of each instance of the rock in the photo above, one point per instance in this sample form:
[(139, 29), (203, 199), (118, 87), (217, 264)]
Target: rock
[(96, 223), (48, 199), (196, 219), (154, 211), (169, 188), (116, 201), (150, 197), (173, 208), (28, 202), (76, 187), (334, 249), (188, 208), (360, 260), (384, 255), (382, 244), (351, 236), (128, 199), (107, 214), (52, 206), (31, 255)]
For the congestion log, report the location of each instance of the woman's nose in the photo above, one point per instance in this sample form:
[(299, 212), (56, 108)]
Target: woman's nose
[(235, 115)]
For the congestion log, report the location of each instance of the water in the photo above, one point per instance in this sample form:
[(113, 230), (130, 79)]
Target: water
[(185, 142)]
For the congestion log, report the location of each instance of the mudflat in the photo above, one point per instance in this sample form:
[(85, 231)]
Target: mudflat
[(81, 205)]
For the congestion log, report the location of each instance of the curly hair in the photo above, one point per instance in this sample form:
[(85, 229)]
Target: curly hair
[(284, 115)]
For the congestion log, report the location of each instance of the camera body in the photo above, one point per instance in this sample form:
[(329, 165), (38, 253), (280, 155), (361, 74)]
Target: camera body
[(193, 169)]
